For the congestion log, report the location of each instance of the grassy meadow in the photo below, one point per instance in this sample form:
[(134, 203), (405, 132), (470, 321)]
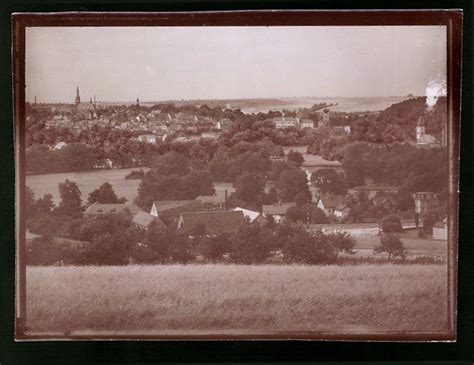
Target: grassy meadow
[(235, 299)]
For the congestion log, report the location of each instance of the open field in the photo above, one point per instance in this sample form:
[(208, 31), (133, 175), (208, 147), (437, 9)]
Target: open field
[(236, 299), (415, 246), (88, 181)]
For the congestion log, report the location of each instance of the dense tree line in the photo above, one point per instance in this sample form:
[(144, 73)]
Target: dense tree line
[(112, 239)]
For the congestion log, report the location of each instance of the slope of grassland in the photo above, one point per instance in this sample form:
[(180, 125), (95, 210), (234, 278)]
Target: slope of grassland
[(236, 299)]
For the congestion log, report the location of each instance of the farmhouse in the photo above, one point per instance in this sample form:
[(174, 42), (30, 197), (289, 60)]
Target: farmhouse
[(98, 209), (426, 203), (306, 123), (440, 230), (341, 210), (59, 146), (285, 122), (211, 222), (224, 124), (252, 216), (147, 138), (277, 210), (144, 219), (170, 210), (214, 202), (328, 203)]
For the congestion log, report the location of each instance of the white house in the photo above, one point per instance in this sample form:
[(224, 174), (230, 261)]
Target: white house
[(440, 230), (147, 138), (306, 123), (59, 146), (328, 204)]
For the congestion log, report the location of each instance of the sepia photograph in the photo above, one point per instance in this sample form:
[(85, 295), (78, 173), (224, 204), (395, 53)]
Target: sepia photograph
[(239, 181)]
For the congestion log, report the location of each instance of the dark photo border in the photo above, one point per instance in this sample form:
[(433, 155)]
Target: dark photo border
[(243, 350)]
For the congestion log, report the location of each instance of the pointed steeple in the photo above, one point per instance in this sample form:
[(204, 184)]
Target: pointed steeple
[(77, 100)]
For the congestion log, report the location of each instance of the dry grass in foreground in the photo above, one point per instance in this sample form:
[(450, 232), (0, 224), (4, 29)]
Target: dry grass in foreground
[(232, 298)]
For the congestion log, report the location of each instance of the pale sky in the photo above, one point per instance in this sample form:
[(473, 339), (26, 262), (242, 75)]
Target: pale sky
[(166, 63)]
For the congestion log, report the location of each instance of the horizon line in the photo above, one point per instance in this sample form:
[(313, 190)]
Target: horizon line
[(223, 99)]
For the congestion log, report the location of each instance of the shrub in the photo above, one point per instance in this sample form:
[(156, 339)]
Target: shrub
[(107, 249), (300, 246), (391, 244), (44, 224), (251, 244), (46, 250), (214, 247), (342, 241), (391, 224)]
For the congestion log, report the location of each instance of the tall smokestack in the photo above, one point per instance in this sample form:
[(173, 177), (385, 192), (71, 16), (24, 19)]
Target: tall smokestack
[(225, 199)]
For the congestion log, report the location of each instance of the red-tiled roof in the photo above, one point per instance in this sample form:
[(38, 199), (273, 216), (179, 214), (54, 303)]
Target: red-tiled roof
[(215, 222)]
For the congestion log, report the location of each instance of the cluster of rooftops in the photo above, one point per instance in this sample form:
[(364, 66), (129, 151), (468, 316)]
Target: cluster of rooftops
[(186, 215)]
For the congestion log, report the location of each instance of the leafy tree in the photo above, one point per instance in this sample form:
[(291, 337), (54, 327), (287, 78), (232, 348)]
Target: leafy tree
[(105, 194), (299, 213), (278, 167), (251, 244), (108, 249), (159, 239), (250, 188), (300, 246), (156, 186), (293, 186), (45, 204), (171, 163), (391, 244), (71, 203), (197, 183), (214, 247), (295, 157), (343, 242), (328, 181), (391, 224), (30, 208)]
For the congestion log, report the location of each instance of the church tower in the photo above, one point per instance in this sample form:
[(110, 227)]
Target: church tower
[(77, 100), (138, 103), (420, 129)]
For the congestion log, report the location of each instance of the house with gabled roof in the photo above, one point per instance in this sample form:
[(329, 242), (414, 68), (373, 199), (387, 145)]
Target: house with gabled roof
[(277, 211), (440, 230), (328, 203), (252, 216), (144, 219), (217, 201), (224, 124), (341, 210), (170, 210), (212, 222)]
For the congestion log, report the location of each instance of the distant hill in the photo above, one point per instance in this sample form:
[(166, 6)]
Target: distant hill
[(407, 112)]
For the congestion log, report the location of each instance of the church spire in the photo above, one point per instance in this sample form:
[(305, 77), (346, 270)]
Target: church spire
[(77, 100)]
